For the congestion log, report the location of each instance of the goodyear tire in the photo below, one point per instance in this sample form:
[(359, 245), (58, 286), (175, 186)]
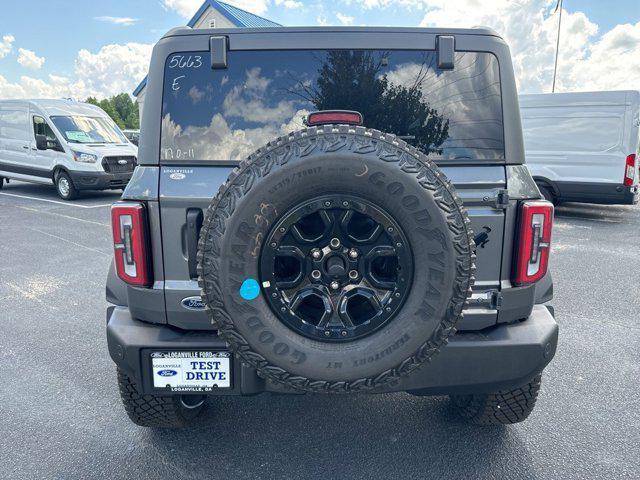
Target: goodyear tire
[(158, 411), (393, 190)]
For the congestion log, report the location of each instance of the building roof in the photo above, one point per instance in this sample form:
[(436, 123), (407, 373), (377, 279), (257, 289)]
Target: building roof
[(237, 16)]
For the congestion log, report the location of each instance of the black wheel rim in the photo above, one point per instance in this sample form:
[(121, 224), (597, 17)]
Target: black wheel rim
[(336, 268)]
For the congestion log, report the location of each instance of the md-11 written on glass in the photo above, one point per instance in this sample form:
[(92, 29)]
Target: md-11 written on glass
[(179, 153)]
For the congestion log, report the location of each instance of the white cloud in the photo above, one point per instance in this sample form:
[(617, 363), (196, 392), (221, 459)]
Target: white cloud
[(124, 21), (111, 70), (248, 101), (114, 68), (289, 3), (586, 62), (6, 45), (219, 140), (344, 19), (372, 4), (184, 8), (29, 59), (195, 94)]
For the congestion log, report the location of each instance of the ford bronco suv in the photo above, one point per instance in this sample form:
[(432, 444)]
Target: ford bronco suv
[(330, 210)]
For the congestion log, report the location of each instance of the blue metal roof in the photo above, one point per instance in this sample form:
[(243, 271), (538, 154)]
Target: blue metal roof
[(241, 18), (237, 16)]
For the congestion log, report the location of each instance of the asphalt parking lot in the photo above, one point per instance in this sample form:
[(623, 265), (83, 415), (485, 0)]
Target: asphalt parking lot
[(61, 415)]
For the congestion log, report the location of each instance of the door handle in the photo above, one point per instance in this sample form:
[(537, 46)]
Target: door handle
[(26, 147)]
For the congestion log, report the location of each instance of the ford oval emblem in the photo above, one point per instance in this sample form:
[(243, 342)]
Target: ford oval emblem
[(167, 373), (122, 161), (193, 303), (177, 176)]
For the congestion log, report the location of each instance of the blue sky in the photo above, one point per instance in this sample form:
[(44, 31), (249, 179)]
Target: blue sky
[(44, 54)]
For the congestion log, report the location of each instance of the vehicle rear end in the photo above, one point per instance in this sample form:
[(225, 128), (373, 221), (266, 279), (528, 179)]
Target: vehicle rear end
[(215, 97), (582, 146)]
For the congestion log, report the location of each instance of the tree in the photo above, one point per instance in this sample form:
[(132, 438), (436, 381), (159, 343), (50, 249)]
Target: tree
[(351, 80), (120, 108)]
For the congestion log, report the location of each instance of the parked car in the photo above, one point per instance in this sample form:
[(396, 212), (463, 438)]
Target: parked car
[(582, 147), (132, 135), (319, 191), (74, 146)]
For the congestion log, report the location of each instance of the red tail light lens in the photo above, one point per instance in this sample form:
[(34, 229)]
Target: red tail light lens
[(334, 116), (630, 170), (129, 225), (534, 242)]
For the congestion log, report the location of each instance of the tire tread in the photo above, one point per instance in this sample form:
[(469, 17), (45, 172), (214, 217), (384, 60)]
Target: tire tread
[(501, 408), (160, 411), (389, 149)]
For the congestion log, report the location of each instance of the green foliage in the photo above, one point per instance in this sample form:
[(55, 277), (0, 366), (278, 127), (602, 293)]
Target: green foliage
[(121, 109)]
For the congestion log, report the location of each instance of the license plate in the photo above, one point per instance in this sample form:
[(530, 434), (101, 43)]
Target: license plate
[(191, 371)]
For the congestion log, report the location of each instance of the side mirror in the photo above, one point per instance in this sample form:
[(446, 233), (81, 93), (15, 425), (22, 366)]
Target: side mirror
[(41, 142)]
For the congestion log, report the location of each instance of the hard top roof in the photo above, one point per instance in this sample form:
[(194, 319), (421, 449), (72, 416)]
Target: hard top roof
[(180, 31)]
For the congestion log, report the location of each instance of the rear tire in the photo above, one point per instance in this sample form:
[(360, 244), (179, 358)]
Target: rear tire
[(65, 187), (500, 408), (159, 411), (1, 182), (548, 194)]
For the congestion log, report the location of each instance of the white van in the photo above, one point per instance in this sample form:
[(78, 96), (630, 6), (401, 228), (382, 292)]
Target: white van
[(75, 146), (583, 147)]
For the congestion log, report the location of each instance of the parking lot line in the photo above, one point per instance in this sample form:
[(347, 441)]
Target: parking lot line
[(69, 241), (41, 212), (55, 201)]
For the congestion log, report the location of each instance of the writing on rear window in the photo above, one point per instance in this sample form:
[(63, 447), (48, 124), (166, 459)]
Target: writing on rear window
[(228, 114)]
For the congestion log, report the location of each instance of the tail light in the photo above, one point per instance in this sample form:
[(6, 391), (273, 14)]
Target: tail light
[(129, 225), (334, 116), (534, 241), (630, 170)]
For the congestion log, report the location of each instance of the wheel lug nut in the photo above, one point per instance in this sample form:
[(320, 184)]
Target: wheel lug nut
[(335, 285), (316, 274), (353, 253), (327, 333), (343, 333), (334, 243), (316, 254), (353, 274)]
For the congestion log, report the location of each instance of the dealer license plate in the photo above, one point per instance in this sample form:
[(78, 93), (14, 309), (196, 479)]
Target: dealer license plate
[(191, 371)]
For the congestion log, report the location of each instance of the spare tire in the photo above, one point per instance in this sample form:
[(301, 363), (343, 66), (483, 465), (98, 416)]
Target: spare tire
[(336, 259)]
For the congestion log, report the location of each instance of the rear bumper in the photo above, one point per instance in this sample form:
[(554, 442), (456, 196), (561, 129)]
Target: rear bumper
[(499, 358), (603, 193), (99, 180)]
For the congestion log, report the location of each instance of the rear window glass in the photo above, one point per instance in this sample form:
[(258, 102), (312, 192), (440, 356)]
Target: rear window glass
[(14, 124), (227, 114)]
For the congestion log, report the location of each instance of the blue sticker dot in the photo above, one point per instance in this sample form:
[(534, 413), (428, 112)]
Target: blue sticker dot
[(250, 289)]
